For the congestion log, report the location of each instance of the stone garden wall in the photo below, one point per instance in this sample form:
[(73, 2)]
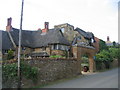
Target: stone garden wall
[(50, 70)]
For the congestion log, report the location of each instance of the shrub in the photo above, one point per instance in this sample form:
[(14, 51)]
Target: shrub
[(56, 56), (114, 53), (107, 56), (10, 54), (10, 71)]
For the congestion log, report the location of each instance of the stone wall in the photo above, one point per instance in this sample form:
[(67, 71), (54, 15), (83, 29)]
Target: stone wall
[(104, 66), (96, 44), (50, 69), (114, 63)]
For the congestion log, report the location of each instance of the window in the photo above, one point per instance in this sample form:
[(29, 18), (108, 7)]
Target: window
[(92, 40), (5, 51), (79, 38), (71, 28), (59, 47), (62, 47), (54, 47), (63, 30), (43, 48)]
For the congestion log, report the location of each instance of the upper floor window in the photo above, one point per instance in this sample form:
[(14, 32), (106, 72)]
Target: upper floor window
[(55, 46), (59, 47), (63, 30), (79, 38), (5, 51), (92, 40), (43, 48)]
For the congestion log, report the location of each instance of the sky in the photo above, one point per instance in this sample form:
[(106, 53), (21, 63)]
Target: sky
[(97, 16)]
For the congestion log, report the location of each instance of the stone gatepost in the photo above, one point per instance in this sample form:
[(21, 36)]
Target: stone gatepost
[(77, 55), (92, 66)]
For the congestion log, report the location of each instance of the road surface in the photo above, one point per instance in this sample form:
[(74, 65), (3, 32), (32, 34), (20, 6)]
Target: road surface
[(108, 79)]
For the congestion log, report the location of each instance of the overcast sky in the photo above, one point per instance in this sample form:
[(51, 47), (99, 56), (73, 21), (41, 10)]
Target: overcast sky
[(97, 16)]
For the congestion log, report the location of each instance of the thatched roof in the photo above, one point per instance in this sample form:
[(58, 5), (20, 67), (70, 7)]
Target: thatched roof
[(32, 39)]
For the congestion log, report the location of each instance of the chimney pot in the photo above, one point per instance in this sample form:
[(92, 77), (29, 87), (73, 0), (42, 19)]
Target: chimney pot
[(47, 25), (108, 39), (9, 26)]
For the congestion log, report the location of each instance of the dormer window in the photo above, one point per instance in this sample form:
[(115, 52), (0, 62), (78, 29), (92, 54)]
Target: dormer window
[(6, 51), (92, 41), (79, 38), (43, 48), (63, 30), (60, 47), (55, 47)]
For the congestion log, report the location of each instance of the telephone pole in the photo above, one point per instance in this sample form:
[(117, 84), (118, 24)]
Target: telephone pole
[(19, 47)]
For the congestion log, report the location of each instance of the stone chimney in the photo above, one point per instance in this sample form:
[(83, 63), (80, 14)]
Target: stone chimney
[(9, 26), (46, 28), (108, 39)]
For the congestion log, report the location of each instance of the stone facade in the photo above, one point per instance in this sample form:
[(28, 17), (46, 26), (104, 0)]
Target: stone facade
[(48, 50), (82, 40), (58, 52), (27, 50), (67, 30), (96, 44)]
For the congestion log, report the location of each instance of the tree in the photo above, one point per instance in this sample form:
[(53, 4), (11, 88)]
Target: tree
[(104, 55), (114, 53), (102, 45), (114, 43)]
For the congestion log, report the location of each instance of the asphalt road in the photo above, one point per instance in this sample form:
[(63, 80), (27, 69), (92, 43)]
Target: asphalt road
[(108, 79)]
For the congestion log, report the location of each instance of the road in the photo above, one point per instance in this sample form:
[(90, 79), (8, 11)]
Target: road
[(108, 79)]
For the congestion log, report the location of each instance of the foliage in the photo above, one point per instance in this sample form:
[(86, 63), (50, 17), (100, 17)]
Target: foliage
[(102, 45), (10, 71), (118, 54), (10, 54), (114, 53), (56, 56), (114, 43), (84, 60), (104, 55), (65, 54), (29, 72)]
